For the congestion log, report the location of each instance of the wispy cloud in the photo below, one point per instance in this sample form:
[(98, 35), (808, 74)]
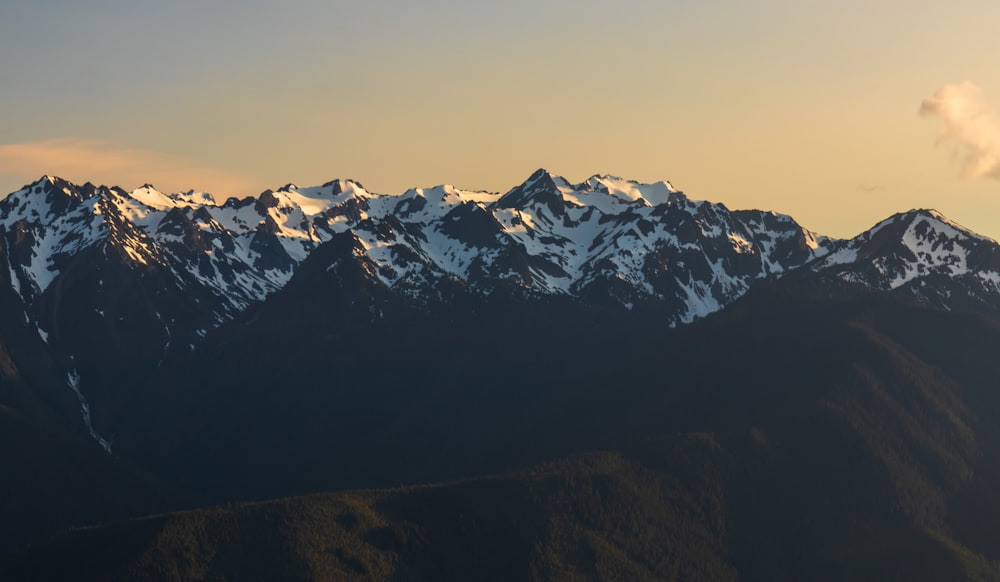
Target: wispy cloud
[(85, 160), (971, 126), (866, 187)]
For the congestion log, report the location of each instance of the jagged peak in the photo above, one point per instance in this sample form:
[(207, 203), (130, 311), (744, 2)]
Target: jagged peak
[(541, 175), (538, 174), (916, 212), (938, 216), (451, 194), (633, 191), (265, 200), (922, 236), (49, 181), (600, 179), (903, 220), (341, 185), (541, 182), (930, 212)]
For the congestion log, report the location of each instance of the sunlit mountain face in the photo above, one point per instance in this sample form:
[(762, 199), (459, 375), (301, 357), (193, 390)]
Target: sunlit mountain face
[(738, 373), (604, 240)]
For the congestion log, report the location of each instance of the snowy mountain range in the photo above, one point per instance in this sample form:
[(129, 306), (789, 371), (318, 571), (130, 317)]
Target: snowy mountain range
[(202, 260), (329, 337)]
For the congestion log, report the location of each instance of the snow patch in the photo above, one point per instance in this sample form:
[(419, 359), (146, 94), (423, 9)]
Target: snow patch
[(73, 379)]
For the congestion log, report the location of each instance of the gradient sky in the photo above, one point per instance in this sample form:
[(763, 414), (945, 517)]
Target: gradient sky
[(808, 108)]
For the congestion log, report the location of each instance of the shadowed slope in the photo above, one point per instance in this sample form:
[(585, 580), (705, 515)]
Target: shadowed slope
[(831, 433)]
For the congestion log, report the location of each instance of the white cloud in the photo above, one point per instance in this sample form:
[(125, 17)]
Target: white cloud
[(84, 160), (970, 125)]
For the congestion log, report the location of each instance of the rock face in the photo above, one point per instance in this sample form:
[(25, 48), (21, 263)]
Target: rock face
[(924, 254), (114, 279), (606, 239)]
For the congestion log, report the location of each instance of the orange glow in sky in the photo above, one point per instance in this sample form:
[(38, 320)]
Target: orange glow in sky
[(836, 113)]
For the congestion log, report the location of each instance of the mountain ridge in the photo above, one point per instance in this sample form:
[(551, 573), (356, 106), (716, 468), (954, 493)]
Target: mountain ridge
[(320, 338), (631, 241), (110, 277)]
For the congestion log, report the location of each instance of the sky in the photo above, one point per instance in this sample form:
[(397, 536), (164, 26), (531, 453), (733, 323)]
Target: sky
[(839, 114)]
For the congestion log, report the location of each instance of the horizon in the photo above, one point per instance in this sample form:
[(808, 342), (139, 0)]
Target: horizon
[(837, 116), (499, 193)]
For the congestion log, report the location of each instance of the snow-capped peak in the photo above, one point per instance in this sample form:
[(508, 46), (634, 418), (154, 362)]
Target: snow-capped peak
[(914, 248), (607, 236), (544, 178), (651, 194), (951, 225), (153, 198)]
